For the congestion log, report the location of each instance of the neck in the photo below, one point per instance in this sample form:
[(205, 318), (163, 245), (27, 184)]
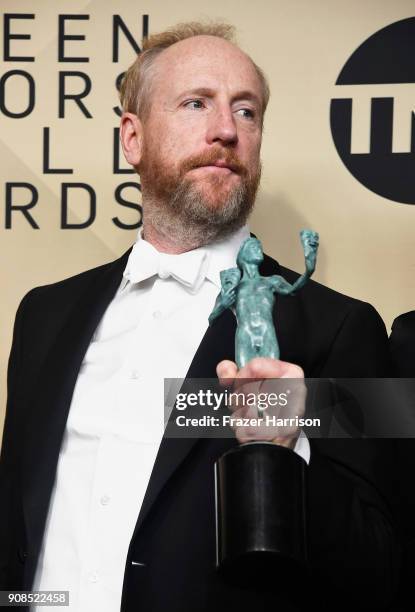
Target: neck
[(250, 270), (166, 241)]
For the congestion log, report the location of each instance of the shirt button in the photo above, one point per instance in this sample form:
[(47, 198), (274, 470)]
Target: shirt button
[(105, 500), (134, 374), (93, 577), (157, 314)]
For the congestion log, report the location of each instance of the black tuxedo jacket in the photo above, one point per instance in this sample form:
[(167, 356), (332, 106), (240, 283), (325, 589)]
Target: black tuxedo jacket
[(402, 342), (351, 542), (402, 345)]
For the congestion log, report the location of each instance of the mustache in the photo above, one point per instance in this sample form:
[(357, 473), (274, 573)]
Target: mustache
[(209, 158)]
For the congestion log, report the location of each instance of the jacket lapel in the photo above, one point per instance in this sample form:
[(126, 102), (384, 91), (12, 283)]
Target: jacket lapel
[(218, 343), (51, 398)]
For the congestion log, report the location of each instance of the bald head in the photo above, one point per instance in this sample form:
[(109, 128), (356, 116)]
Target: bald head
[(199, 51)]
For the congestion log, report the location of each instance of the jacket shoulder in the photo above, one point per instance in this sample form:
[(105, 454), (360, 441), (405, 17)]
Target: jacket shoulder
[(63, 293), (322, 298), (405, 321), (402, 344), (67, 285), (329, 333), (44, 310)]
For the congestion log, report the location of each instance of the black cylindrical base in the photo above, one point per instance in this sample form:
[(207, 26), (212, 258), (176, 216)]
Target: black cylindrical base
[(260, 511)]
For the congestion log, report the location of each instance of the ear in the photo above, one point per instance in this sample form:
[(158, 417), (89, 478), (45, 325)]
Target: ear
[(131, 136)]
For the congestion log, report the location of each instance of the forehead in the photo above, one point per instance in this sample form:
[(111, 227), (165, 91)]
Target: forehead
[(205, 61)]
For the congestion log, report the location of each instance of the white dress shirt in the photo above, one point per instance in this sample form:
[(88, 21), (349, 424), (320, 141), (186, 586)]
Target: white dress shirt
[(150, 331)]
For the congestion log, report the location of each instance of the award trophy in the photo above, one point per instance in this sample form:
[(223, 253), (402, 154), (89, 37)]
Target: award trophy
[(260, 497)]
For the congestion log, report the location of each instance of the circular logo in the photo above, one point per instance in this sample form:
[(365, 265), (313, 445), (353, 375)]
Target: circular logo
[(373, 116)]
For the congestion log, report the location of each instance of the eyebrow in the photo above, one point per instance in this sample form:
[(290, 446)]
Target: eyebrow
[(245, 94)]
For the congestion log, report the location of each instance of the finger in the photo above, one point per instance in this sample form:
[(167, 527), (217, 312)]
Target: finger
[(260, 368), (291, 370), (226, 371)]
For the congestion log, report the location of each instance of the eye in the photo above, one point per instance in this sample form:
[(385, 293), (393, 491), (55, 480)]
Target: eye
[(247, 113), (195, 104)]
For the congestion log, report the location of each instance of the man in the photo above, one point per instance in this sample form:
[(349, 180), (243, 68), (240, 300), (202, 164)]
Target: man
[(402, 345), (402, 342), (82, 428)]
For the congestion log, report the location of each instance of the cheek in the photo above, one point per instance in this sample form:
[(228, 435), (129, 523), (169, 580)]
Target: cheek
[(253, 158), (181, 140), (250, 145)]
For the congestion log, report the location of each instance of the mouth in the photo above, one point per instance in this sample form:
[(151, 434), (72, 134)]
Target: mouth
[(224, 165), (220, 167)]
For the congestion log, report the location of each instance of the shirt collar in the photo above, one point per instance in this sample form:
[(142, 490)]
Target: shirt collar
[(223, 254), (211, 259)]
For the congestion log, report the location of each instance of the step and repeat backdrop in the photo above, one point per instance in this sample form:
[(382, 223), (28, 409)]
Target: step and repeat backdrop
[(338, 151)]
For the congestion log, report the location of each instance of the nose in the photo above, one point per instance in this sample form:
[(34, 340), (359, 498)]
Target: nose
[(222, 127)]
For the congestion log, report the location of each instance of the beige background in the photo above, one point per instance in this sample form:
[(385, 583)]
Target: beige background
[(366, 240)]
